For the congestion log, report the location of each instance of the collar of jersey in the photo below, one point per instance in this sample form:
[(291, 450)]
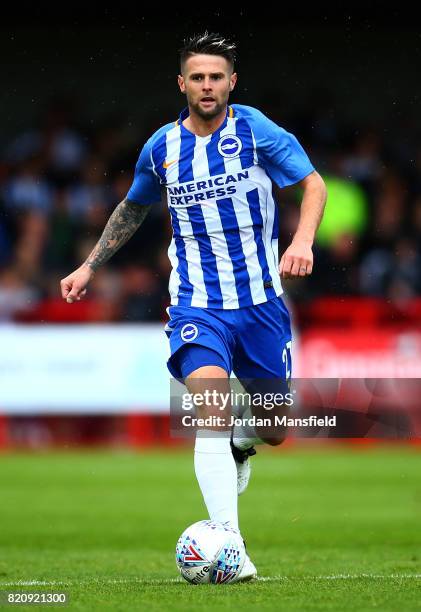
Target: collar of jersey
[(185, 113)]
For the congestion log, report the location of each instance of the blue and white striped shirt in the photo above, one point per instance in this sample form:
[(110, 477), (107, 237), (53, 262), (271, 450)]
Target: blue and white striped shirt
[(224, 249)]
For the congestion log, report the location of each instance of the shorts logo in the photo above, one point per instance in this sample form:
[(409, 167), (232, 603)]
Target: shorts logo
[(189, 332), (230, 146)]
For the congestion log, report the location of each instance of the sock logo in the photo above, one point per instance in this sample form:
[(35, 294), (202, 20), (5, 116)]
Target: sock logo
[(189, 332)]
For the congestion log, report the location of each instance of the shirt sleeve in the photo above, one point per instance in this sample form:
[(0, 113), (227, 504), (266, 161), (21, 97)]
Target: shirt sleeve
[(279, 152), (146, 188)]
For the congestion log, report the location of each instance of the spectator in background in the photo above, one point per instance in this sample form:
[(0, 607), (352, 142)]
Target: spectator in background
[(416, 218), (16, 294), (57, 141), (28, 189), (390, 266), (394, 274), (364, 163), (89, 200), (5, 245), (62, 229), (337, 270), (389, 217), (30, 246), (347, 212), (141, 294)]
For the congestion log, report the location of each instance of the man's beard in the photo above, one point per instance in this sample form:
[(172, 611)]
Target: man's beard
[(208, 114)]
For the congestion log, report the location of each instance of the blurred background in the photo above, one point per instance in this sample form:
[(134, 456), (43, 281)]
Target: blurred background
[(82, 94)]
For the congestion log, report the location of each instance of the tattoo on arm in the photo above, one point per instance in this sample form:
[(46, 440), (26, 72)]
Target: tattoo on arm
[(121, 226)]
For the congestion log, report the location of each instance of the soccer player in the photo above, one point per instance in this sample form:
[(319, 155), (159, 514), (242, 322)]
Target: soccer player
[(217, 163)]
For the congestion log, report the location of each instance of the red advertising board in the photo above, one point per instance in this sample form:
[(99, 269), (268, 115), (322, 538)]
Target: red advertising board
[(358, 353)]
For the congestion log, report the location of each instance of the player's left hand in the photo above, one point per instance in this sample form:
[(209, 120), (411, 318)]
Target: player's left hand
[(297, 260)]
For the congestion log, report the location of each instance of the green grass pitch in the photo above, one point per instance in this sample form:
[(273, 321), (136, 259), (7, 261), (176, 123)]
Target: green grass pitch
[(329, 528)]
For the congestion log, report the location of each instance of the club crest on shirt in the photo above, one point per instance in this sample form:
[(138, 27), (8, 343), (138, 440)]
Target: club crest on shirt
[(230, 146)]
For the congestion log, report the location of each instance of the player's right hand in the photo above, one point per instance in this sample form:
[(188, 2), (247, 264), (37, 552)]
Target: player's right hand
[(73, 287)]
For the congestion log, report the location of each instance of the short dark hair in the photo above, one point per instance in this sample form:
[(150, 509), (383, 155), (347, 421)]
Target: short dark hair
[(209, 44)]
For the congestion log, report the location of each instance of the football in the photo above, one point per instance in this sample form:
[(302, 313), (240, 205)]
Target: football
[(210, 552)]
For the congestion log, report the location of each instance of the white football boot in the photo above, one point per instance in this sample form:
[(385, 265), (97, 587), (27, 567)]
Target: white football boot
[(242, 462), (249, 571)]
